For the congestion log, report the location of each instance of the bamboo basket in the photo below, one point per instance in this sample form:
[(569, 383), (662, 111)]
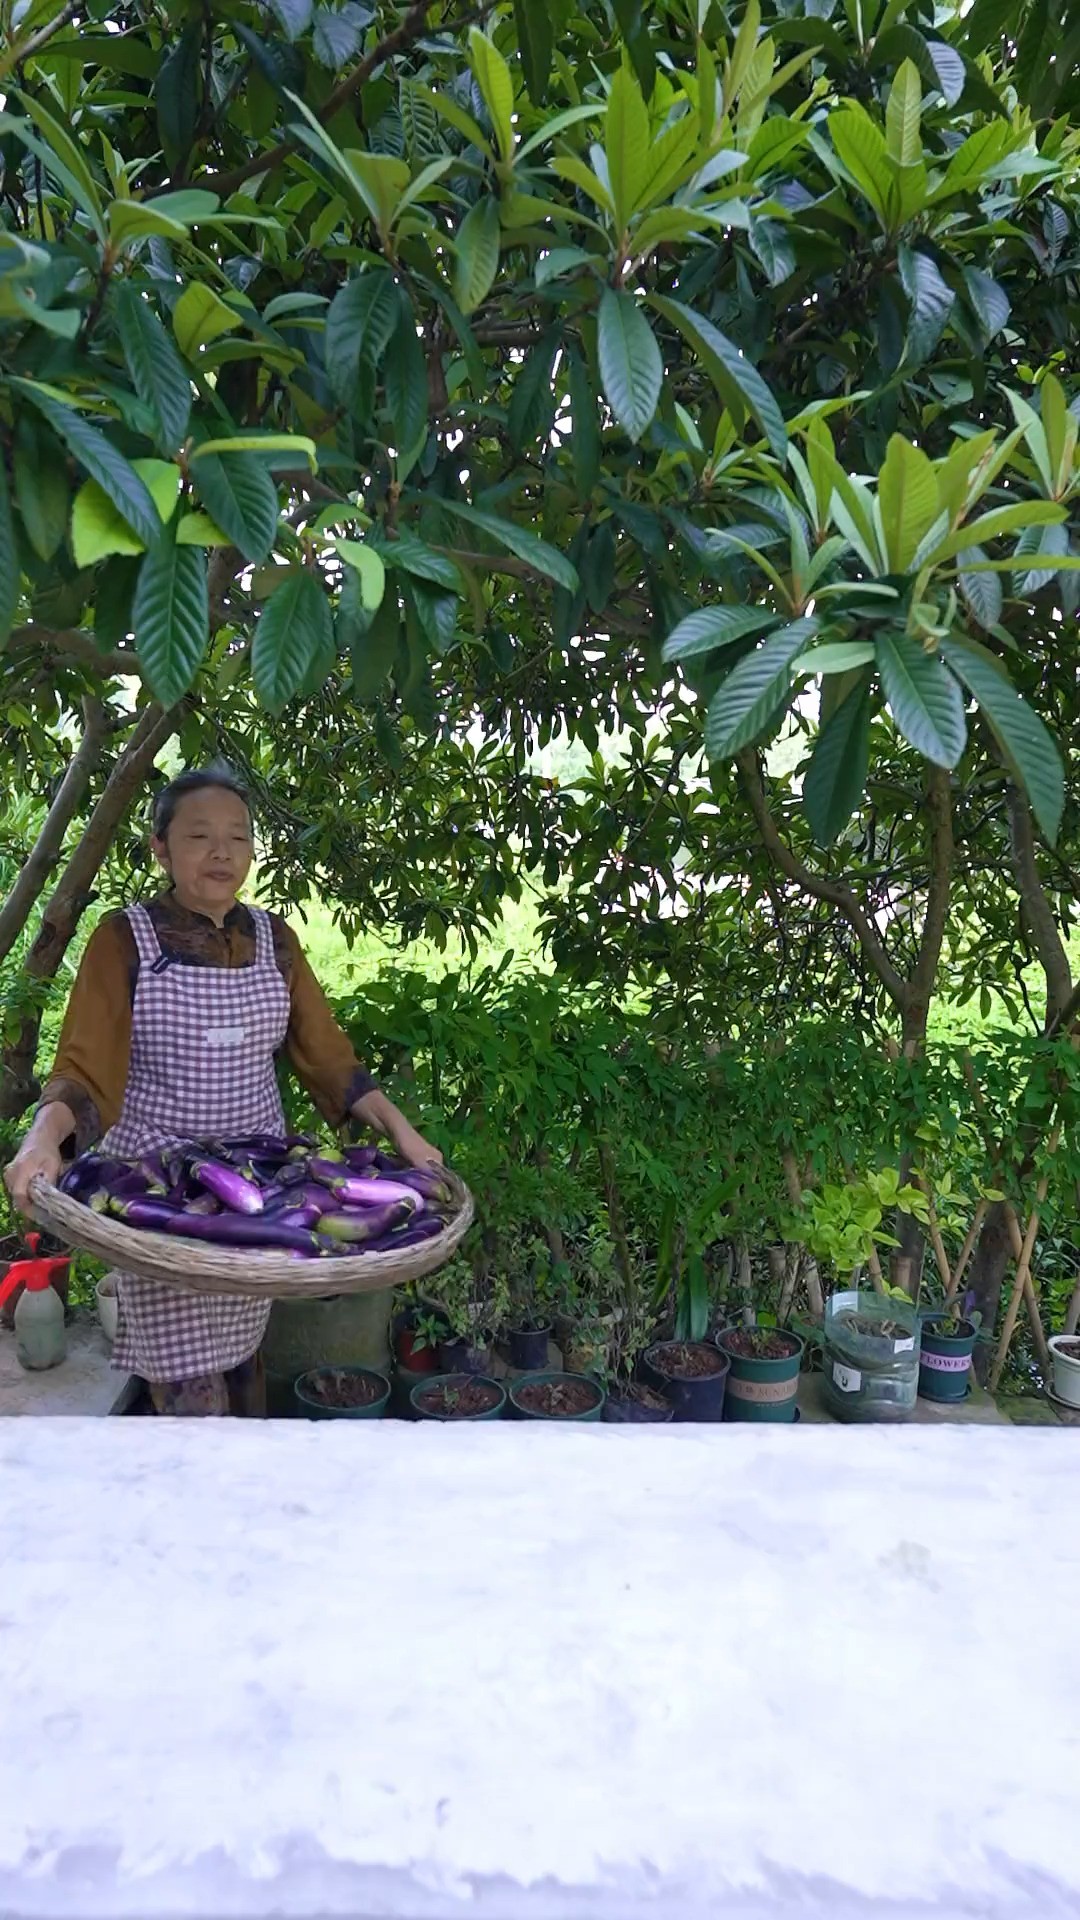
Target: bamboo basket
[(197, 1267)]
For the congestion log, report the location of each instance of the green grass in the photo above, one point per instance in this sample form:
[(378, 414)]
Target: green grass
[(341, 965)]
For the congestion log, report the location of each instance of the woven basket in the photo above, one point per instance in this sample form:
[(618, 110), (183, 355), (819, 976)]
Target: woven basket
[(198, 1267)]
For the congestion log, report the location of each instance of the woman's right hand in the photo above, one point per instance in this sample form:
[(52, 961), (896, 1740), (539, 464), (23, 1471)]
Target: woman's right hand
[(34, 1156)]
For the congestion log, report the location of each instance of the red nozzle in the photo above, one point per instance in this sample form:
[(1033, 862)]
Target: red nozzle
[(34, 1274)]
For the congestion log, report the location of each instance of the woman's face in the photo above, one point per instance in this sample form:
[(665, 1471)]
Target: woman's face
[(207, 850)]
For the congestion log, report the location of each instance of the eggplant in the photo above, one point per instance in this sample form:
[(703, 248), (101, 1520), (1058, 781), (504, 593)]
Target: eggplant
[(410, 1236), (360, 1189), (91, 1170), (265, 1146), (367, 1223), (357, 1158), (239, 1194), (311, 1194), (148, 1214), (243, 1230), (430, 1182), (203, 1206)]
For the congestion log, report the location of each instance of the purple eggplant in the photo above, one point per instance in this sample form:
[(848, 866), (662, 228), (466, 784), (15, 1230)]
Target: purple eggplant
[(430, 1182), (237, 1193), (243, 1230), (310, 1194), (367, 1223), (388, 1162), (148, 1214), (357, 1158), (359, 1189), (91, 1170), (411, 1236), (203, 1206)]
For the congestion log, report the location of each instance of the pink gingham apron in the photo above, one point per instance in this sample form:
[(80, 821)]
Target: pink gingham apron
[(203, 1041)]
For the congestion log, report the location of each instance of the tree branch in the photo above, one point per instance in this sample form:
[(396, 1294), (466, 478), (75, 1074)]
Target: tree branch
[(20, 51), (397, 41), (42, 859), (1044, 928), (834, 893), (924, 973), (79, 645)]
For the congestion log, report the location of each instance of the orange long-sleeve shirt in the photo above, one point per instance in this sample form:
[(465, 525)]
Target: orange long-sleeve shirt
[(91, 1067)]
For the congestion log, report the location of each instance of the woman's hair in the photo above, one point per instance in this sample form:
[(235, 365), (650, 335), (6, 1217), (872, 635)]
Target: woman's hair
[(194, 780)]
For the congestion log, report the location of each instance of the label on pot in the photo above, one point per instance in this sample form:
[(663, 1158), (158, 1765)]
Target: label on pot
[(904, 1346), (763, 1392), (945, 1362), (848, 1379)]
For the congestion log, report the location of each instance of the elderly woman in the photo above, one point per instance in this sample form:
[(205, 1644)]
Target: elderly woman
[(176, 1019)]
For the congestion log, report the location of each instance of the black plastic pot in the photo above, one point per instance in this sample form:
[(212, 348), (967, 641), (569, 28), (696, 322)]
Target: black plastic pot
[(529, 1348), (625, 1409), (460, 1356), (699, 1397)]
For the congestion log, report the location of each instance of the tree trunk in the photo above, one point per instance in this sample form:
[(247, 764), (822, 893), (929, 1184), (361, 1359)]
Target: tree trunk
[(18, 1087), (45, 853)]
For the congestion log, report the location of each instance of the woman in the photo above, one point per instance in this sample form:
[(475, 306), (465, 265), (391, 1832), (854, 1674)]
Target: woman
[(177, 1015)]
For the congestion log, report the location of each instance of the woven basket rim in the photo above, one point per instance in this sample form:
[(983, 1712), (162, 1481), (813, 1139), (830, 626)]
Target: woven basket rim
[(258, 1274)]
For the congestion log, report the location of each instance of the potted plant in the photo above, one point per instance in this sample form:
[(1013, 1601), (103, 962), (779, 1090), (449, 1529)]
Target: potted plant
[(417, 1339), (553, 1395), (692, 1375), (475, 1304), (458, 1396), (948, 1342), (631, 1401), (342, 1393), (1065, 1354), (533, 1289), (764, 1380)]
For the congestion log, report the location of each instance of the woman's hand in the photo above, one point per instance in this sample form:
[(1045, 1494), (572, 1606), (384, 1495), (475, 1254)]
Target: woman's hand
[(414, 1148), (34, 1156), (375, 1110)]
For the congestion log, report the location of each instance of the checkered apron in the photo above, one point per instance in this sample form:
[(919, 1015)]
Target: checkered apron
[(203, 1041)]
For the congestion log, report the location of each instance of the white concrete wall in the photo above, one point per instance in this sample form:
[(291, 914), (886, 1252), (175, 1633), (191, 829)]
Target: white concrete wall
[(508, 1671)]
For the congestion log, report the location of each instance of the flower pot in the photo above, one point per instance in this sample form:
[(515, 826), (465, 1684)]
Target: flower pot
[(870, 1367), (550, 1395), (691, 1374), (417, 1359), (463, 1396), (462, 1356), (1065, 1353), (108, 1307), (764, 1380), (342, 1393), (637, 1405), (529, 1348), (945, 1359), (303, 1336)]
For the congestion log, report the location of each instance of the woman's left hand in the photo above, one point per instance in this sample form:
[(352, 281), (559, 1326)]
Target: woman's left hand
[(414, 1148)]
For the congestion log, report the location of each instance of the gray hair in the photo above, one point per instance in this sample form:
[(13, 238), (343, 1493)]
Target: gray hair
[(195, 780)]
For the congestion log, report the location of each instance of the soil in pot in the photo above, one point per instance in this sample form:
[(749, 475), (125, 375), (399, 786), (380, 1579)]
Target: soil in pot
[(342, 1393), (692, 1375), (557, 1396), (945, 1359), (529, 1347), (764, 1380), (636, 1404), (459, 1396)]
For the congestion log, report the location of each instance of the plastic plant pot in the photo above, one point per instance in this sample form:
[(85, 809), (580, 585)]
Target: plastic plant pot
[(1065, 1354), (342, 1393), (764, 1380), (692, 1374), (108, 1307), (461, 1356), (638, 1406), (550, 1395), (529, 1348), (945, 1358), (464, 1396)]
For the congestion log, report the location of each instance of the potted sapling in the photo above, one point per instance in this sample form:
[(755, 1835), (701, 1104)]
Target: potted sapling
[(533, 1289), (764, 1380), (689, 1369), (632, 1401), (948, 1342)]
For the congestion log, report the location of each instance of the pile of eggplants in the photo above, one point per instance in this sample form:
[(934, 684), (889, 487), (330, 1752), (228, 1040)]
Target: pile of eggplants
[(270, 1192)]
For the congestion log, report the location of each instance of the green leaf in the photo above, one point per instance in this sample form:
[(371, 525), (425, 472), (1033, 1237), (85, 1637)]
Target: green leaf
[(982, 592), (198, 530), (114, 597), (477, 243), (908, 499), (713, 627), (9, 561), (199, 317), (532, 403), (626, 143), (1025, 742), (100, 459), (42, 493), (369, 566), (171, 617), (735, 378), (950, 69), (903, 117), (563, 260), (407, 389), (631, 367), (241, 499), (178, 95), (748, 699), (497, 88), (585, 438), (97, 528), (537, 553), (408, 551), (339, 33), (989, 300), (293, 15), (373, 643), (292, 632), (1026, 513), (924, 698), (834, 780), (861, 147), (360, 321), (62, 155), (931, 303), (157, 373), (837, 656), (536, 45)]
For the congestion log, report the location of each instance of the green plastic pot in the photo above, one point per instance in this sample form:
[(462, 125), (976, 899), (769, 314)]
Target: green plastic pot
[(761, 1389), (312, 1408), (945, 1360), (553, 1374), (456, 1380)]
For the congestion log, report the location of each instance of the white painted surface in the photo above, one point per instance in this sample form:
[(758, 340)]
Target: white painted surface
[(509, 1671)]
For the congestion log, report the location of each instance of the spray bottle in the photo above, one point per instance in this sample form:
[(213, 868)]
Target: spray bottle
[(40, 1340)]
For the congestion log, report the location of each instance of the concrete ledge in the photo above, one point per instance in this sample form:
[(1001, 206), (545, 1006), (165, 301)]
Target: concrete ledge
[(505, 1673)]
